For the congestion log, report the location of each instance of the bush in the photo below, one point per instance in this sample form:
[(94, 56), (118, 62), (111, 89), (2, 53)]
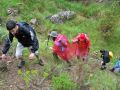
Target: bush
[(107, 24), (103, 80), (93, 9), (63, 82), (27, 75), (3, 34)]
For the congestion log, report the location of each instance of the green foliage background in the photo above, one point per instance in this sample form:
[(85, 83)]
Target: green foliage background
[(99, 20)]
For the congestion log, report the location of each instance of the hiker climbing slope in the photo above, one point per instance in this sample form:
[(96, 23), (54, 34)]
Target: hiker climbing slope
[(116, 67), (106, 56), (61, 46), (26, 37), (81, 46)]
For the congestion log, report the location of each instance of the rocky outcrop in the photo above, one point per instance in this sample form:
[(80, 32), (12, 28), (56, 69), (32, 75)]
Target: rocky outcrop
[(61, 17), (34, 22), (86, 2), (12, 11)]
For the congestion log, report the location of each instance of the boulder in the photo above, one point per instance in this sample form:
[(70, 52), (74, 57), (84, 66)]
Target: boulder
[(61, 17), (34, 21), (12, 11)]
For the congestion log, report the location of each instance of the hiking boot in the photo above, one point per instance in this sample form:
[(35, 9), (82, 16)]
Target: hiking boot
[(78, 57), (83, 59), (112, 70), (21, 64), (41, 62), (70, 65)]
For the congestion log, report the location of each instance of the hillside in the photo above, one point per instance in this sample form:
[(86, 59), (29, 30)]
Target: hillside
[(97, 18)]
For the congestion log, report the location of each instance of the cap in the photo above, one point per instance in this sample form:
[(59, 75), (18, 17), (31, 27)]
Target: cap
[(53, 34)]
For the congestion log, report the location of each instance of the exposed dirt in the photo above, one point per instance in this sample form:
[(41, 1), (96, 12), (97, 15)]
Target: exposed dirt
[(10, 77), (80, 71)]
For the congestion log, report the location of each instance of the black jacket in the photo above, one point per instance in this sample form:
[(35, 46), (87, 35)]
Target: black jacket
[(105, 56), (25, 35)]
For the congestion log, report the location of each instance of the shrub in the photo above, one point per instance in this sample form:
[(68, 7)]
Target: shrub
[(63, 82), (107, 24), (3, 34), (27, 75)]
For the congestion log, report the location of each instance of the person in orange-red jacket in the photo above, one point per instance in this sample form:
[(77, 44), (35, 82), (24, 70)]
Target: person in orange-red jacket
[(61, 46), (81, 46)]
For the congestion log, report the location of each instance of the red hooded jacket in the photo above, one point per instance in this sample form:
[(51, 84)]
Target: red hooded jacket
[(62, 47), (81, 45)]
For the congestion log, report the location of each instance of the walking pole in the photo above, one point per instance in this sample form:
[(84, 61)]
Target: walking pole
[(46, 48)]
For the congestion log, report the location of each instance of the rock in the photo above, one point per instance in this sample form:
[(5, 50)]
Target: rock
[(99, 1), (11, 86), (55, 19), (21, 86), (12, 11), (34, 21), (61, 17), (105, 1), (85, 2), (66, 14)]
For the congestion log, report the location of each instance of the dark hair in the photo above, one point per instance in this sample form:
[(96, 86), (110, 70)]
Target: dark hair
[(102, 51), (10, 24)]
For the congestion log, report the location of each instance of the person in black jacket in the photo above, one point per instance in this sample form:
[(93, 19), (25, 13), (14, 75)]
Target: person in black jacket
[(105, 57), (26, 37)]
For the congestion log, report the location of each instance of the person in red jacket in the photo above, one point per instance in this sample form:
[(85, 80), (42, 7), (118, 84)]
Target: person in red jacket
[(81, 46), (61, 46)]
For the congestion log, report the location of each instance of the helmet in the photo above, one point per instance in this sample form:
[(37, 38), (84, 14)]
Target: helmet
[(53, 34), (110, 54)]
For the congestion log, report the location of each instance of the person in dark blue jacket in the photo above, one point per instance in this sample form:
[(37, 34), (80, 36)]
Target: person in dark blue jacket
[(26, 37), (105, 57)]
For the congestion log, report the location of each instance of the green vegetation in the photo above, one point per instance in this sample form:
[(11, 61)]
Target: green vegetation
[(103, 80), (99, 20), (3, 34), (27, 75), (63, 82)]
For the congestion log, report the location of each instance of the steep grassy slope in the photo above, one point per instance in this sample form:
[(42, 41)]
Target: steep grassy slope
[(99, 20)]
